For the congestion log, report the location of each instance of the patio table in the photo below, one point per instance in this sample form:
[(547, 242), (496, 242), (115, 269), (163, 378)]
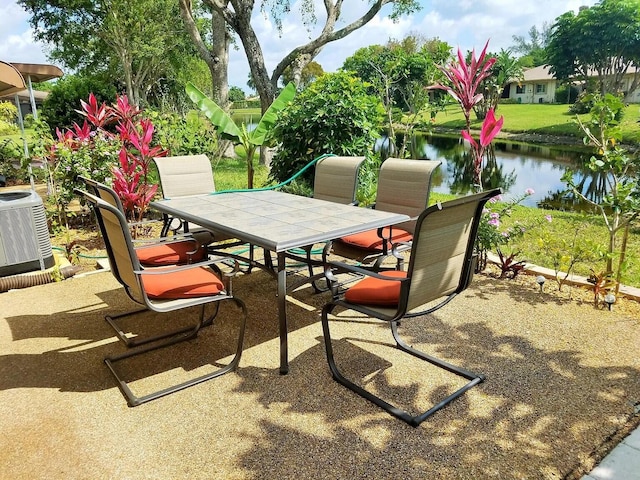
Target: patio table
[(277, 222)]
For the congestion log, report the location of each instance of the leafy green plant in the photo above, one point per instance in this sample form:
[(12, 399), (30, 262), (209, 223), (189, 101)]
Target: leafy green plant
[(491, 237), (565, 252), (249, 140), (334, 114), (621, 204)]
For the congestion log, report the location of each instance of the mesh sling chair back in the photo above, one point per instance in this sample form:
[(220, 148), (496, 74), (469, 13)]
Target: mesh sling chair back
[(440, 266), (403, 187), (164, 290), (159, 251), (165, 251), (335, 180)]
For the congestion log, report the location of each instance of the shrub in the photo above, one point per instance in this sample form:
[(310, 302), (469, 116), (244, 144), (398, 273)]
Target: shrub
[(332, 115), (8, 114), (60, 109)]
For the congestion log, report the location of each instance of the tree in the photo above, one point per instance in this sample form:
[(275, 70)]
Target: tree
[(603, 39), (140, 42), (236, 94), (532, 50), (621, 205), (237, 15), (398, 73), (310, 73)]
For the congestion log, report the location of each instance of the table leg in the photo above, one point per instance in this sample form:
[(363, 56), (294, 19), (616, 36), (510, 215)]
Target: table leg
[(282, 313)]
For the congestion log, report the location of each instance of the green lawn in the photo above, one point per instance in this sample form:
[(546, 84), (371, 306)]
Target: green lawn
[(545, 119)]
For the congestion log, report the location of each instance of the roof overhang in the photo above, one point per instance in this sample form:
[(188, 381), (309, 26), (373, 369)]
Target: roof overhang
[(11, 81)]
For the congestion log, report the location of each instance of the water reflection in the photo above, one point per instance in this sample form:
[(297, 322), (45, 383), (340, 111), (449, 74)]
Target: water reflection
[(514, 167)]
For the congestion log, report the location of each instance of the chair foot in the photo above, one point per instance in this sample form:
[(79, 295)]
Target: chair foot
[(133, 400), (413, 420)]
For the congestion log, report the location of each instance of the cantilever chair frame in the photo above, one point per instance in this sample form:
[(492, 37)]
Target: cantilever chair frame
[(403, 187), (415, 294), (129, 273), (108, 195)]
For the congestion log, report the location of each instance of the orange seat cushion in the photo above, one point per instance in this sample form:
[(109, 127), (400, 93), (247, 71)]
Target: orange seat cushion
[(370, 240), (194, 282), (170, 253), (376, 291)]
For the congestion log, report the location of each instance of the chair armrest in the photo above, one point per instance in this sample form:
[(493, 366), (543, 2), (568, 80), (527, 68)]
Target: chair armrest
[(345, 267), (180, 268), (173, 239)]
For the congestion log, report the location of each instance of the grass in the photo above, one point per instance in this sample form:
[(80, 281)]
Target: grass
[(542, 119)]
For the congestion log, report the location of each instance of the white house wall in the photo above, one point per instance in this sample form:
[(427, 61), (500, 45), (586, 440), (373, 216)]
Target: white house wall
[(530, 95)]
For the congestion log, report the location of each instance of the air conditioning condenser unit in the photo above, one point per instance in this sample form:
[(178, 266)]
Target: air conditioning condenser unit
[(24, 236)]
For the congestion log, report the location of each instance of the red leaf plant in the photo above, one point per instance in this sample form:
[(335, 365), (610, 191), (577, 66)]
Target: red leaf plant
[(464, 79), (135, 136), (490, 128)]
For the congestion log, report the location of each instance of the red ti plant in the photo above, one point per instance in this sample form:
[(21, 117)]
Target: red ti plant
[(464, 79), (490, 128), (131, 175)]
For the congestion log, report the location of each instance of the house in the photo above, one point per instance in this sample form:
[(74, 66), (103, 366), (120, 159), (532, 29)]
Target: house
[(539, 86)]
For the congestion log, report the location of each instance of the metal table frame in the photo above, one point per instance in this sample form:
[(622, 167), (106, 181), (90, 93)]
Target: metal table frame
[(276, 222)]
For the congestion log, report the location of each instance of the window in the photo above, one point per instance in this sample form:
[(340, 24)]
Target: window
[(541, 88), (519, 88)]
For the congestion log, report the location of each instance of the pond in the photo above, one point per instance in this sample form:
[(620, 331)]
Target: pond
[(513, 166)]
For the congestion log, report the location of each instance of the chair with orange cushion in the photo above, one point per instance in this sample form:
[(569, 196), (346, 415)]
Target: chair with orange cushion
[(178, 249), (440, 266), (174, 250), (403, 187), (162, 289)]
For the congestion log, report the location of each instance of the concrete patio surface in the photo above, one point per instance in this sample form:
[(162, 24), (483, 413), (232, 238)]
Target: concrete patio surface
[(562, 390)]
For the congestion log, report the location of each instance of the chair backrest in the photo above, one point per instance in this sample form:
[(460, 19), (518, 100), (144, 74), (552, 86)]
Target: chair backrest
[(404, 186), (185, 175), (103, 192), (442, 253), (117, 238), (336, 179)]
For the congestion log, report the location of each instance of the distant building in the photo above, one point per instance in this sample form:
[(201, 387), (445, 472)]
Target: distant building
[(539, 86)]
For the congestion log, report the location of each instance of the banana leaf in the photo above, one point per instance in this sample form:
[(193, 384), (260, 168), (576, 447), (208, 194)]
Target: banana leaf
[(257, 135), (218, 117)]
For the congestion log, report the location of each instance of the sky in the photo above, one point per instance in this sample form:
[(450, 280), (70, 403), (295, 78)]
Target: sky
[(464, 24)]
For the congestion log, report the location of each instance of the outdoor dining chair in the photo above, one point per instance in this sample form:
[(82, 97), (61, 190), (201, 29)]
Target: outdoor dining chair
[(403, 187), (440, 266), (165, 290), (177, 249), (335, 180), (155, 252)]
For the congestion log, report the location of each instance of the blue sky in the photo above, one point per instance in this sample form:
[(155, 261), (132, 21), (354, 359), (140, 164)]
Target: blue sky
[(463, 23)]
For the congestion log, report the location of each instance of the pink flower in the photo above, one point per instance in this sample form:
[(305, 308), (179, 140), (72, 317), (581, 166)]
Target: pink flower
[(548, 218), (529, 191)]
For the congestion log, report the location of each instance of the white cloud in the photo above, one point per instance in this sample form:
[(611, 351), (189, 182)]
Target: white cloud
[(16, 39)]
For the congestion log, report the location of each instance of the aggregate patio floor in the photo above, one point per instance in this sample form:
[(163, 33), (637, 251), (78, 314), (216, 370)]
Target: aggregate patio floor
[(562, 388)]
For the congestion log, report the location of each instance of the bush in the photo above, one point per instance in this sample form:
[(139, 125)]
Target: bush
[(565, 91), (191, 134), (60, 107), (8, 115), (332, 115)]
